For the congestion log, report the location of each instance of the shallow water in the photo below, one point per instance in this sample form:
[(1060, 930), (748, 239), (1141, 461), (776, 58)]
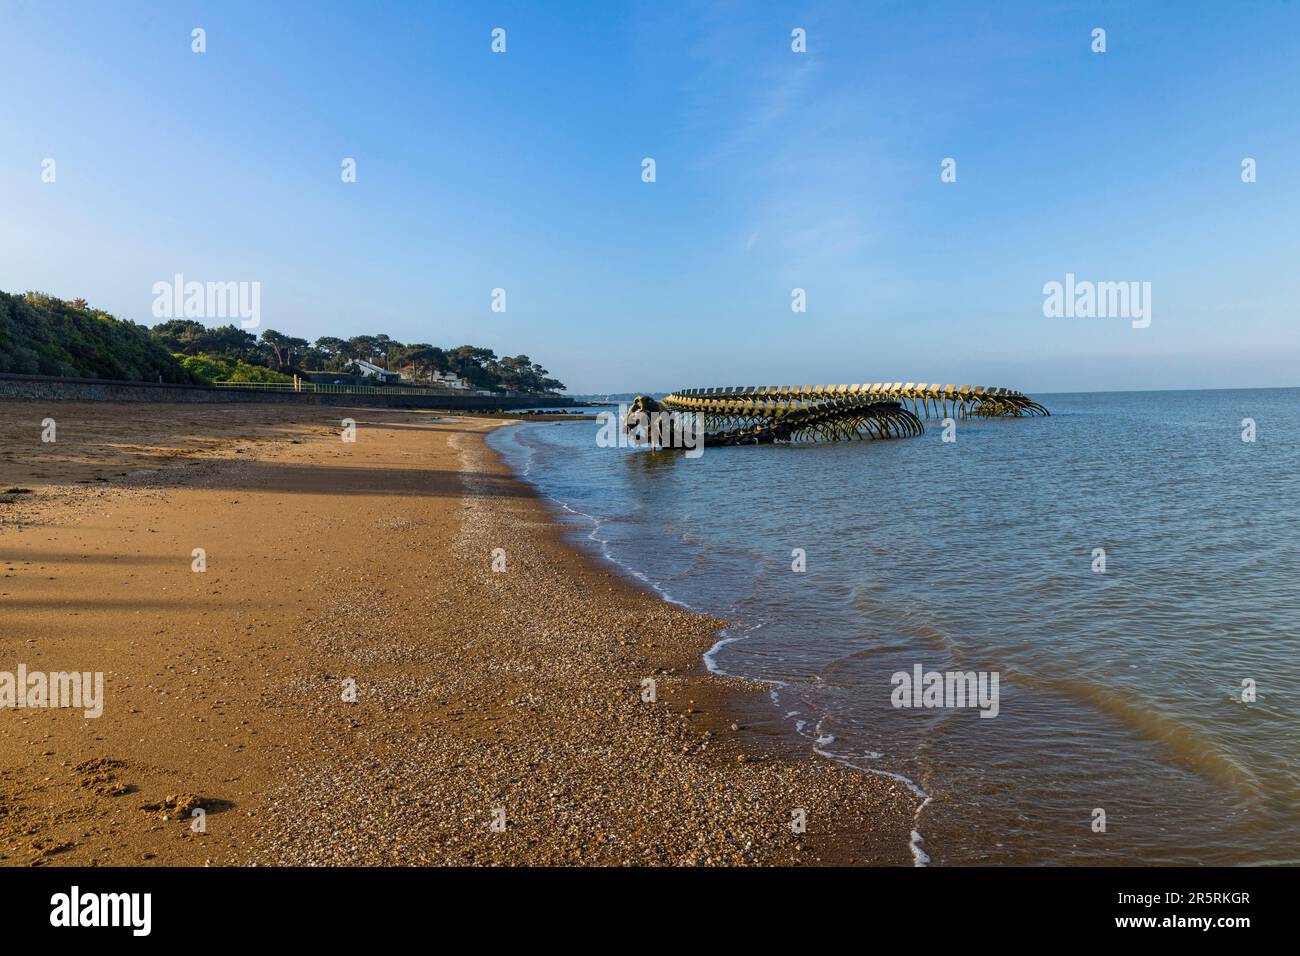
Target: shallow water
[(1119, 691)]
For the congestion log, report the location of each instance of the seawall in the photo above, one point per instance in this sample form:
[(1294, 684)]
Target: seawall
[(49, 388)]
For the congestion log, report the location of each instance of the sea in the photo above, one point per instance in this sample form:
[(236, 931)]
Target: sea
[(1123, 577)]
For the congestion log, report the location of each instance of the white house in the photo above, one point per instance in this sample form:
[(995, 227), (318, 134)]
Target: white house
[(374, 371), (447, 380)]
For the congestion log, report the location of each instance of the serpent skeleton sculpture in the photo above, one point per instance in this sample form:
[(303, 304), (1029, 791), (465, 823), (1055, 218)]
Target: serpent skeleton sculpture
[(760, 415)]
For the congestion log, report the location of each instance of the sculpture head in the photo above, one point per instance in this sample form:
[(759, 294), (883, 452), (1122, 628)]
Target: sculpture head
[(639, 414)]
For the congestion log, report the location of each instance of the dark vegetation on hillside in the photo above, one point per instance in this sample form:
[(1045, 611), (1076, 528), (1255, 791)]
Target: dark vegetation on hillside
[(42, 335)]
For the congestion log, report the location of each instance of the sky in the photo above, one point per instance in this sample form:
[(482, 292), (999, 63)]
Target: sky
[(775, 170)]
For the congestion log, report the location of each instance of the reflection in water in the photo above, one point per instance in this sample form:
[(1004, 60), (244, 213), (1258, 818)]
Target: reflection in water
[(651, 460)]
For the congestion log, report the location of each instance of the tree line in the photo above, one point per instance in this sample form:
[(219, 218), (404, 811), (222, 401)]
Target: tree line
[(287, 355), (44, 335)]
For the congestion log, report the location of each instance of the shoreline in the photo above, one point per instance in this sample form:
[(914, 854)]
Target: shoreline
[(744, 691), (477, 691)]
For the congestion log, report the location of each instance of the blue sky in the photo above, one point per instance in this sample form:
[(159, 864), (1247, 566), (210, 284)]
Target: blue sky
[(775, 170)]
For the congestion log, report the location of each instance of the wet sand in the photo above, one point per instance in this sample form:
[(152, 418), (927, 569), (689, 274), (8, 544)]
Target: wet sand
[(350, 681)]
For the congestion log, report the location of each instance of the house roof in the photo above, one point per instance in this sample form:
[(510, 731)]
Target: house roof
[(372, 368)]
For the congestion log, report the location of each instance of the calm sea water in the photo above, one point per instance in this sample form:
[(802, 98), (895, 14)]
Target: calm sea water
[(1119, 691)]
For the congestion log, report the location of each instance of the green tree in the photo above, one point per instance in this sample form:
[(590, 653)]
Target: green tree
[(285, 350), (217, 369)]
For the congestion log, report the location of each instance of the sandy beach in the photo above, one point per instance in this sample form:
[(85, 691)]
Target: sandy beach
[(349, 681)]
